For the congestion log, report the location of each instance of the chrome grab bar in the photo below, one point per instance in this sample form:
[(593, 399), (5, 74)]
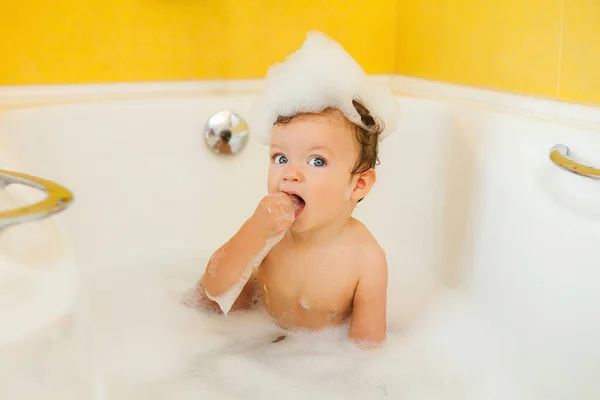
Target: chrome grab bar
[(58, 198), (559, 155)]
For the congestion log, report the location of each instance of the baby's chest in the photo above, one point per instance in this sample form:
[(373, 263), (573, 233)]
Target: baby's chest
[(316, 285)]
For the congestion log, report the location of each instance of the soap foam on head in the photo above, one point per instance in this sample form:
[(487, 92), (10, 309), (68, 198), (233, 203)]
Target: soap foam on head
[(319, 75)]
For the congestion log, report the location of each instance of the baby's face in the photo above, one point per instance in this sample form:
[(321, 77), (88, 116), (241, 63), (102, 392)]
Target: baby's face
[(312, 156)]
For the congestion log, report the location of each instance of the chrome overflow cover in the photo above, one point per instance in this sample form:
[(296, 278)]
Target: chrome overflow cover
[(226, 133)]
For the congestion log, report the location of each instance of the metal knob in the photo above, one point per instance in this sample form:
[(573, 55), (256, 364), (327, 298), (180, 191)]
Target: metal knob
[(226, 133)]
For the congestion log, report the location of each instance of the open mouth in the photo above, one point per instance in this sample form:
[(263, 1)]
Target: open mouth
[(299, 203)]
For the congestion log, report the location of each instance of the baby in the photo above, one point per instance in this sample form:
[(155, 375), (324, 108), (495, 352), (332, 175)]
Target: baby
[(314, 265)]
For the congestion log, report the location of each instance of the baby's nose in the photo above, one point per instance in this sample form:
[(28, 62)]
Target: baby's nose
[(292, 174)]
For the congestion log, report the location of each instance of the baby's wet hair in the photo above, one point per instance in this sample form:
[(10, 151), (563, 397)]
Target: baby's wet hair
[(367, 136)]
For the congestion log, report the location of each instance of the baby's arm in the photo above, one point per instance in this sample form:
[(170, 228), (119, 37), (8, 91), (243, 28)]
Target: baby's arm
[(231, 266), (368, 324), (247, 298)]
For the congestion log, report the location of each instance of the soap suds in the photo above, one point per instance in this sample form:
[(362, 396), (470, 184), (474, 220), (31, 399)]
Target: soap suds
[(348, 194), (304, 303), (226, 300), (284, 217), (151, 346), (331, 316), (255, 291), (286, 319), (304, 83), (214, 260)]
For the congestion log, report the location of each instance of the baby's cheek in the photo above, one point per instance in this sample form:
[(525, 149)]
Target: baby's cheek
[(272, 183), (330, 192)]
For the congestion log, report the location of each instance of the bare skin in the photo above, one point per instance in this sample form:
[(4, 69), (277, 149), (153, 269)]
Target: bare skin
[(316, 286), (326, 267)]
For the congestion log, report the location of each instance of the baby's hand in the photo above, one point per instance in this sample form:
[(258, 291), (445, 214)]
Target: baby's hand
[(275, 214)]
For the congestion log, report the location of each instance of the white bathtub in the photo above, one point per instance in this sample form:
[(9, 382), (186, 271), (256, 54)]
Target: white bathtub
[(494, 269)]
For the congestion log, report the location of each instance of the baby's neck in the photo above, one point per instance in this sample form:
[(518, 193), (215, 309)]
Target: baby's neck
[(319, 236)]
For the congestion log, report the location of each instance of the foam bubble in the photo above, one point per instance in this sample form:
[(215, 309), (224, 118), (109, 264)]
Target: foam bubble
[(286, 319), (151, 346), (304, 303), (348, 194), (304, 83), (285, 216), (212, 263)]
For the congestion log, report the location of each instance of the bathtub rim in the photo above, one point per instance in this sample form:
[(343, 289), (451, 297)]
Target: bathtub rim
[(583, 116)]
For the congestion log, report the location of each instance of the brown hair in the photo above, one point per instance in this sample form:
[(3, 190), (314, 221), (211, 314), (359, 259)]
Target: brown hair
[(367, 136)]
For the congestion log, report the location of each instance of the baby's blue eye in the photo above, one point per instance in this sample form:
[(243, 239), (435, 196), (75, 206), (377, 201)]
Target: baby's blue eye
[(280, 159), (317, 162)]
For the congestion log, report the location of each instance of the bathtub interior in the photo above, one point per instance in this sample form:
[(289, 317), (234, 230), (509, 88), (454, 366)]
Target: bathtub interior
[(534, 263), (490, 248)]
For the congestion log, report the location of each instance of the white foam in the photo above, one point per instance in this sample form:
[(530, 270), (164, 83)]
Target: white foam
[(304, 303), (152, 346), (305, 82), (348, 194), (213, 261), (226, 299)]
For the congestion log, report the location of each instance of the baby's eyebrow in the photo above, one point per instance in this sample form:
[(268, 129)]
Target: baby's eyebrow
[(325, 148)]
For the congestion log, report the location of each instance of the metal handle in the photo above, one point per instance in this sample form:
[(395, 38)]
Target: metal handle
[(559, 154), (58, 198)]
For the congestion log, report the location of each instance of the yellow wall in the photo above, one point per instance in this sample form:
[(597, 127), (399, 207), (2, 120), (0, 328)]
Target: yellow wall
[(548, 48), (82, 41), (580, 66)]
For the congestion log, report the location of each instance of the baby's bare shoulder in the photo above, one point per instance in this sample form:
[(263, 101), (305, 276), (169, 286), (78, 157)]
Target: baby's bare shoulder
[(365, 249)]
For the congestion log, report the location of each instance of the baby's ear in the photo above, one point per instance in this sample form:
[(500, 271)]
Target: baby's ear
[(363, 184)]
